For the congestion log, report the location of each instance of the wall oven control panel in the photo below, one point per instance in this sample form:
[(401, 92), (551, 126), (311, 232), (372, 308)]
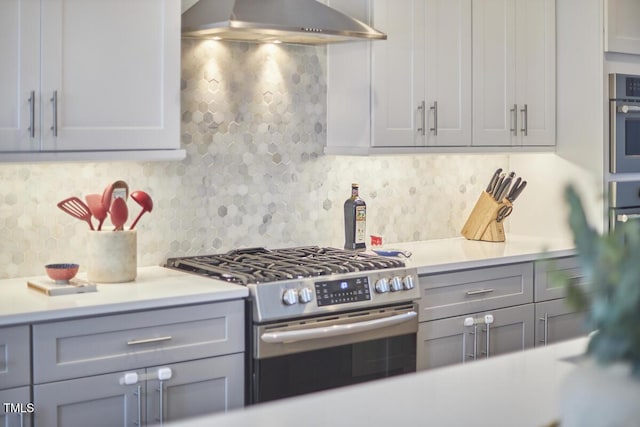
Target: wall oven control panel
[(342, 291)]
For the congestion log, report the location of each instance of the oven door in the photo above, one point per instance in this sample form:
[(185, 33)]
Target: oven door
[(625, 137), (308, 355)]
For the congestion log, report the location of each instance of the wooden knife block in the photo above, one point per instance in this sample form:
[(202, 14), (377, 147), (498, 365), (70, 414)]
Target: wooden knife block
[(482, 224)]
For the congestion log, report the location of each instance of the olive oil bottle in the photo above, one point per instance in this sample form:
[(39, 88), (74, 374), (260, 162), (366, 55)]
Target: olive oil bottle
[(355, 221)]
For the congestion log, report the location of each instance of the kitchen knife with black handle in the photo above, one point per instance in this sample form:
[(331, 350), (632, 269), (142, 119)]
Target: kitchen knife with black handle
[(515, 191), (504, 187), (498, 186), (494, 181)]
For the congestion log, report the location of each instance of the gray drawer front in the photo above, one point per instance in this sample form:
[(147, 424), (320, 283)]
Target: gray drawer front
[(78, 348), (469, 291), (15, 357), (544, 289)]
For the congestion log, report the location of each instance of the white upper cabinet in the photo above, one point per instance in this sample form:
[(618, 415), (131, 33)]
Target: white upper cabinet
[(421, 75), (104, 77), (514, 66), (622, 21), (19, 75)]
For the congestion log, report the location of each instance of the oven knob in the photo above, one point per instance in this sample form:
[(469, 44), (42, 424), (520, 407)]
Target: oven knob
[(305, 295), (290, 297), (408, 282), (396, 284), (382, 285)]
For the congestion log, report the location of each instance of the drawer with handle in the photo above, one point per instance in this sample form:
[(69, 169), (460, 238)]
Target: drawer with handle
[(545, 288), (467, 291), (96, 345)]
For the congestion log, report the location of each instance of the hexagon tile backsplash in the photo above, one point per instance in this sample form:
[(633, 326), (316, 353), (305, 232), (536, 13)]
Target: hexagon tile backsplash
[(254, 128)]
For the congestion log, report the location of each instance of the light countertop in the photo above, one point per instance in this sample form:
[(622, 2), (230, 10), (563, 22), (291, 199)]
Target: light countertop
[(157, 287), (432, 256), (154, 287), (517, 389)]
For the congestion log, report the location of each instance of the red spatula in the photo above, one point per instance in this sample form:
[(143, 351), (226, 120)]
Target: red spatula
[(76, 208)]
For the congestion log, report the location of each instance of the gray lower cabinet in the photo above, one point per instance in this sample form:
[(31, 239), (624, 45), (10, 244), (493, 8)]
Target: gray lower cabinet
[(140, 397), (17, 408), (475, 336), (555, 321), (525, 309), (139, 368)]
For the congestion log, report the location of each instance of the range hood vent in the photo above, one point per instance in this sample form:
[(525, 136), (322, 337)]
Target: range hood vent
[(273, 21)]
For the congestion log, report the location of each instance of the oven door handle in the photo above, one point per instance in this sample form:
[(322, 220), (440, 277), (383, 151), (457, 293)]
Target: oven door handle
[(624, 109), (336, 330)]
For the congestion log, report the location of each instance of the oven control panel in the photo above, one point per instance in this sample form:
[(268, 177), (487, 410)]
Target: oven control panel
[(342, 291)]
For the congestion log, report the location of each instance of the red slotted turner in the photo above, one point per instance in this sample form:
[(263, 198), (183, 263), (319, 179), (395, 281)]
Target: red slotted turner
[(77, 209)]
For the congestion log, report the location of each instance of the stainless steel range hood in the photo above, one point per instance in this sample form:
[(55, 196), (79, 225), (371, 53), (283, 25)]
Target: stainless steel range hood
[(284, 21)]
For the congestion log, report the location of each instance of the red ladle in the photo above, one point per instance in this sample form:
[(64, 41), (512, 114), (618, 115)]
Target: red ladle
[(145, 201), (119, 213), (94, 202)]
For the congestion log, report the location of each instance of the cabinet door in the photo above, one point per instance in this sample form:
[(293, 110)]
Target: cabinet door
[(465, 338), (622, 32), (102, 400), (514, 72), (196, 388), (494, 66), (448, 72), (15, 356), (398, 74), (115, 68), (440, 343), (19, 74), (18, 414), (555, 321), (511, 330), (536, 72)]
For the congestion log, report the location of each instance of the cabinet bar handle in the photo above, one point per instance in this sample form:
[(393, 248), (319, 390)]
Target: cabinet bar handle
[(32, 114), (421, 108), (475, 342), (545, 319), (513, 113), (479, 292), (139, 396), (434, 107), (488, 320), (525, 120), (161, 408), (469, 321), (149, 340), (54, 101), (164, 374)]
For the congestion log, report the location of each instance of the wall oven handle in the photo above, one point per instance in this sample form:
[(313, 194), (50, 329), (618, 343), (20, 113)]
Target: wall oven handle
[(626, 217), (336, 330), (624, 109)]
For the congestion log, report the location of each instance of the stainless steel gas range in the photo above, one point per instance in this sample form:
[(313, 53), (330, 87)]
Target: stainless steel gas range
[(318, 317)]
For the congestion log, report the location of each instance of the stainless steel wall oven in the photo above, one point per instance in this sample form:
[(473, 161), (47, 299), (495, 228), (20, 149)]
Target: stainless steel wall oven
[(319, 318), (624, 123), (624, 202)]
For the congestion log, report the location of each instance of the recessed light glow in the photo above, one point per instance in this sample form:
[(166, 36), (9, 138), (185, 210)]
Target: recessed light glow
[(217, 38)]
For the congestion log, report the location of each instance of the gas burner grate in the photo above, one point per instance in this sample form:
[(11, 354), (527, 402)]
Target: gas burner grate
[(259, 265)]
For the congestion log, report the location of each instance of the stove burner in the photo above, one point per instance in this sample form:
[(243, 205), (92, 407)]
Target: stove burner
[(259, 265)]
